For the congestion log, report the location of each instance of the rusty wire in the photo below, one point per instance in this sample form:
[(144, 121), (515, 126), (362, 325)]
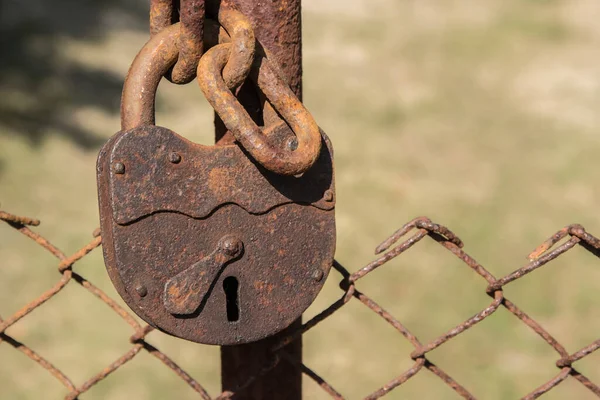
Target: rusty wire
[(422, 227)]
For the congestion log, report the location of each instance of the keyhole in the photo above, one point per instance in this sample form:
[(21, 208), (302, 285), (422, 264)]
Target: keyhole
[(230, 286)]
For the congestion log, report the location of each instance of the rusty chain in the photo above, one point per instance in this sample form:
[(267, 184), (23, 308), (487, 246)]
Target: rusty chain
[(190, 18), (158, 55), (422, 228), (253, 138), (175, 49)]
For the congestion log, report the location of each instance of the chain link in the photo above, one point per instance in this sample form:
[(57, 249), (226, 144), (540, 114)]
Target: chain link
[(190, 43), (225, 66), (253, 138)]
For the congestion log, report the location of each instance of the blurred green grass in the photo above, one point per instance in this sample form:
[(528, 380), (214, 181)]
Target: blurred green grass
[(480, 115)]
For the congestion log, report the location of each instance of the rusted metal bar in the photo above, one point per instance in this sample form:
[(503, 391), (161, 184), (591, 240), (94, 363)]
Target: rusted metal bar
[(277, 24)]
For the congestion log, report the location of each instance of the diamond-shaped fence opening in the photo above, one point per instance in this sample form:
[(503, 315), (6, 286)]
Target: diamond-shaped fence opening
[(444, 287), (563, 298), (506, 367), (53, 327), (422, 354), (358, 352), (23, 376), (195, 359), (17, 271)]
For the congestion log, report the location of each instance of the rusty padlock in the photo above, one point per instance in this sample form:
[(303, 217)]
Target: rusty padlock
[(204, 242)]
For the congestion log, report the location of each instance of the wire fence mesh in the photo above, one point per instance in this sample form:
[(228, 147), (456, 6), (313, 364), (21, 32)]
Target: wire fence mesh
[(421, 228)]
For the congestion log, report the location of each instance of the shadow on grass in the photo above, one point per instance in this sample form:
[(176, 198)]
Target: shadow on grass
[(40, 86)]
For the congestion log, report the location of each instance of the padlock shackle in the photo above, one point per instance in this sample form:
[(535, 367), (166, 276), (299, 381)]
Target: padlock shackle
[(155, 59)]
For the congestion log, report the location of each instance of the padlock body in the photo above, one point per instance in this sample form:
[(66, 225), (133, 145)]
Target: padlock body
[(165, 203)]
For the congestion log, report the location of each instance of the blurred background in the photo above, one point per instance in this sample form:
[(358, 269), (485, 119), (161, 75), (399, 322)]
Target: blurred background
[(481, 115)]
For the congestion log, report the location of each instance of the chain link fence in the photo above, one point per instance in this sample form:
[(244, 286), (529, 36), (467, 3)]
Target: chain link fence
[(421, 228)]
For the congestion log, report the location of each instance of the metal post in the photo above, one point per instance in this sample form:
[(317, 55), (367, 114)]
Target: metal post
[(277, 24)]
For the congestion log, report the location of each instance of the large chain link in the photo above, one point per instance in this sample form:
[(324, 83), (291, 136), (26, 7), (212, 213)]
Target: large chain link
[(252, 137)]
